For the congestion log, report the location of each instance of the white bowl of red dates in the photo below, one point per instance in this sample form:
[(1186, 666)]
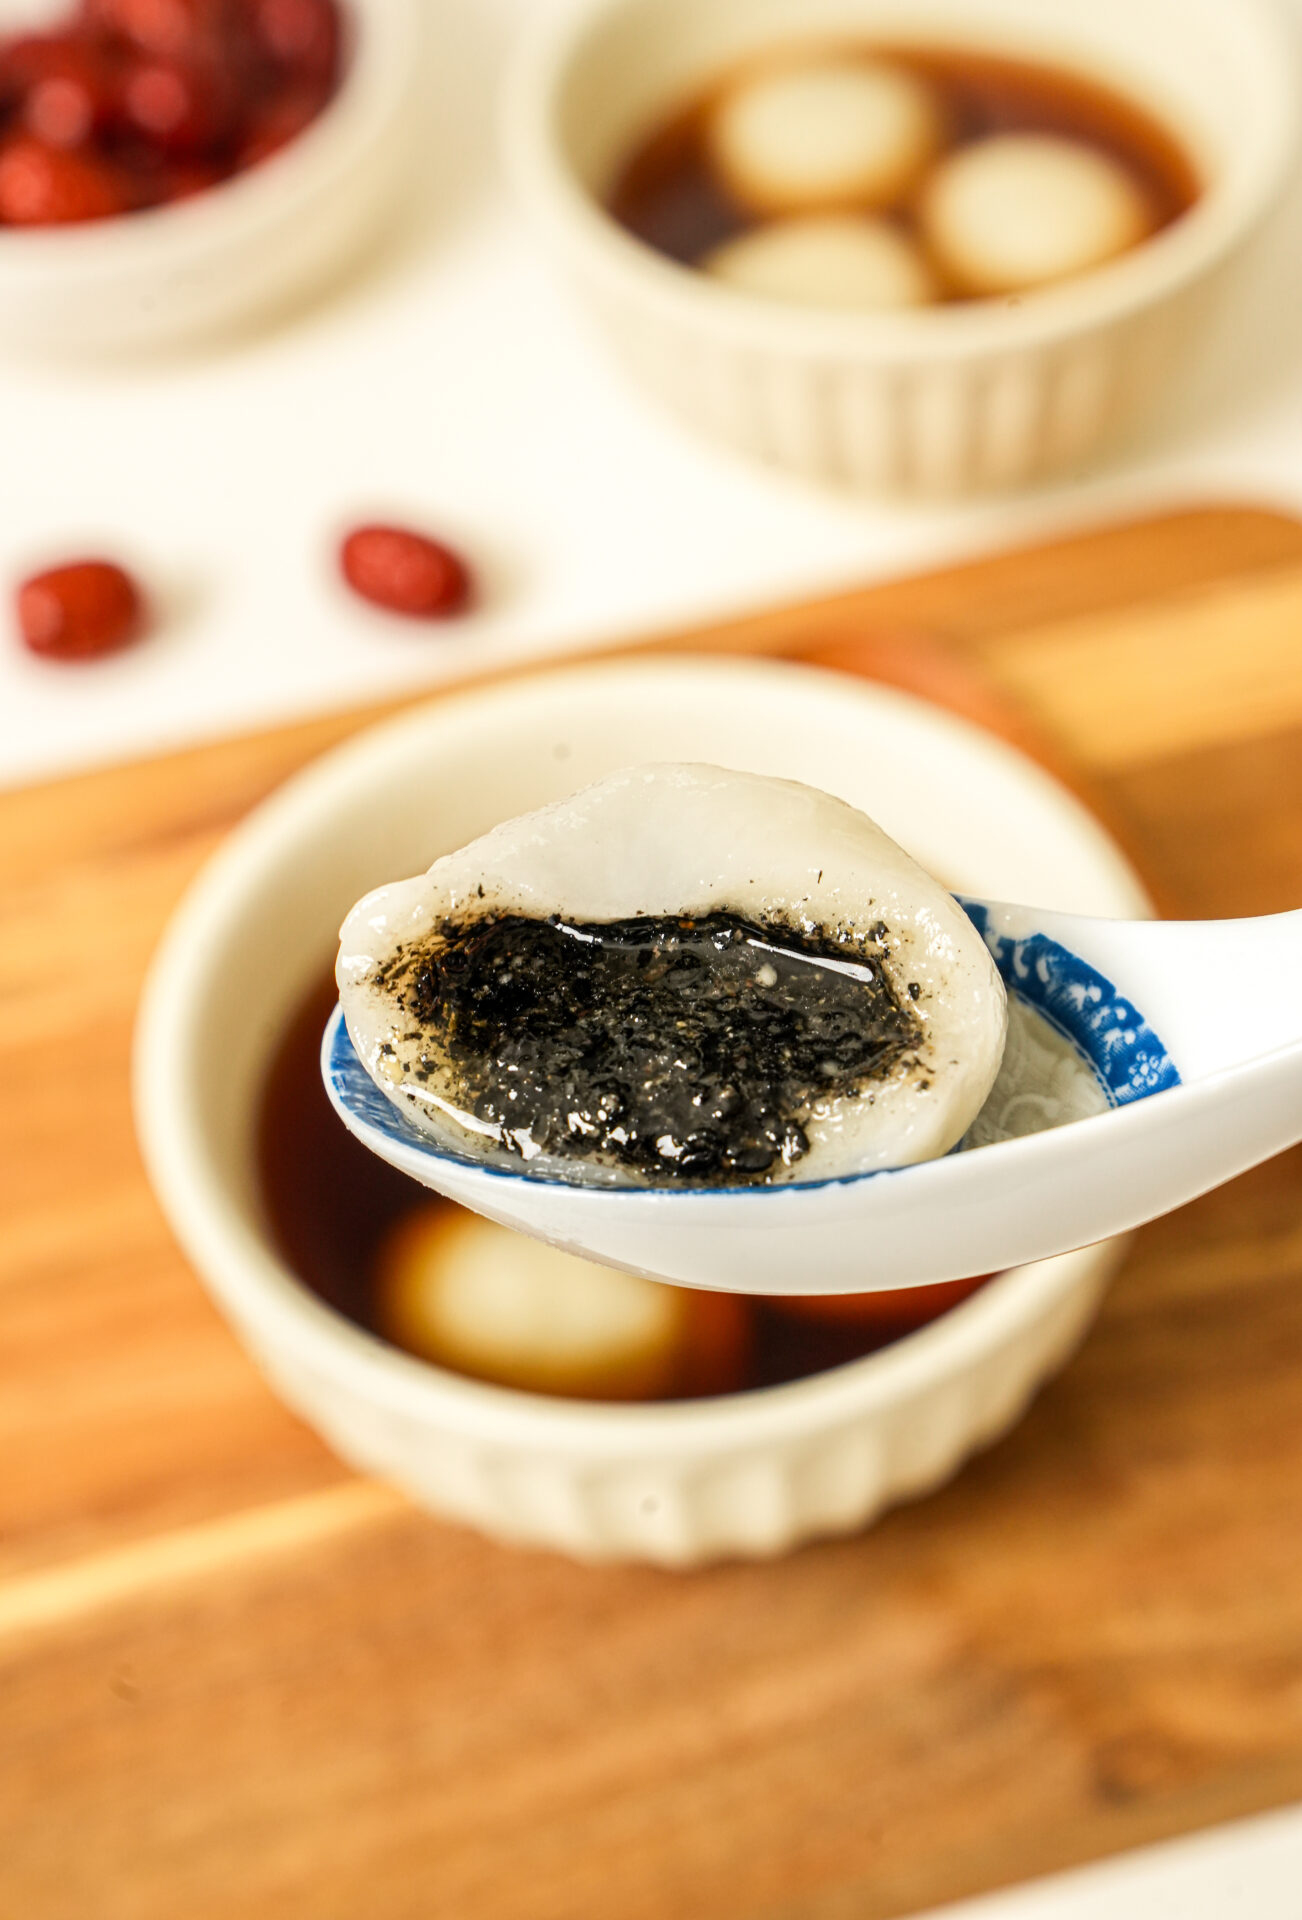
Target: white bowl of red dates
[(172, 169), (931, 247), (509, 1385)]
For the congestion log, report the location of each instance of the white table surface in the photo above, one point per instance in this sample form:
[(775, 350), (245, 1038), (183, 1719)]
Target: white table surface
[(1251, 1870), (453, 383)]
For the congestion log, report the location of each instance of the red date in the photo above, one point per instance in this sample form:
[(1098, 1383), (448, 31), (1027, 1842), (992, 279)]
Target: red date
[(80, 610), (43, 186), (183, 110), (64, 92), (302, 35), (404, 571), (168, 29)]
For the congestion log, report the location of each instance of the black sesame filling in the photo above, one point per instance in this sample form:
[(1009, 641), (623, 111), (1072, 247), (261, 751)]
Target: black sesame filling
[(677, 1048)]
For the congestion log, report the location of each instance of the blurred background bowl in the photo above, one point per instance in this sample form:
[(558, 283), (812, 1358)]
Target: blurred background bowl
[(239, 251), (948, 399), (680, 1483)]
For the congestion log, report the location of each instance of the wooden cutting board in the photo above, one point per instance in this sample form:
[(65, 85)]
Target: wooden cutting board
[(236, 1678)]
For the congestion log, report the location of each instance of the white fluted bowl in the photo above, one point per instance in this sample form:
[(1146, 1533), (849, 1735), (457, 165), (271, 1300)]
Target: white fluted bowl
[(947, 399), (750, 1473), (241, 251)]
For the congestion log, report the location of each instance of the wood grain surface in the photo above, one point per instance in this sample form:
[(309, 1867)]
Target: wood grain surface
[(236, 1678)]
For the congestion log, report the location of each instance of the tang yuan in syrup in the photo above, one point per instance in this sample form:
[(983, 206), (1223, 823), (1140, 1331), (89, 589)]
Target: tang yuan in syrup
[(830, 130)]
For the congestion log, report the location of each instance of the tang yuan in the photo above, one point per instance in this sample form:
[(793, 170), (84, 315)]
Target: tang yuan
[(679, 976), (832, 130), (827, 260), (1022, 210), (466, 1294)]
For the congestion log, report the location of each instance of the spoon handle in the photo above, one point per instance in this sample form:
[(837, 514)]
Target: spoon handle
[(1218, 992)]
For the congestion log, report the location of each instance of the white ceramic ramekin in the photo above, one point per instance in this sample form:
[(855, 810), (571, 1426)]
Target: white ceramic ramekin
[(949, 399), (241, 251), (751, 1473)]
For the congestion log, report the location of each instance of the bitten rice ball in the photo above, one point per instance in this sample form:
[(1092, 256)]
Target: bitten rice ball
[(1024, 209), (831, 132), (500, 1000), (827, 260)]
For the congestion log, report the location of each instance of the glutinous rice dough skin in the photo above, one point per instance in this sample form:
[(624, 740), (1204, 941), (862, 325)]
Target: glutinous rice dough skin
[(678, 844)]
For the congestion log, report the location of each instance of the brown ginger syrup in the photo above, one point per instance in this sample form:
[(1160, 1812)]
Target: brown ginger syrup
[(331, 1205), (667, 194)]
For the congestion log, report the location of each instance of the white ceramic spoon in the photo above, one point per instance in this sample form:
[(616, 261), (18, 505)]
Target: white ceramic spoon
[(1195, 1027)]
